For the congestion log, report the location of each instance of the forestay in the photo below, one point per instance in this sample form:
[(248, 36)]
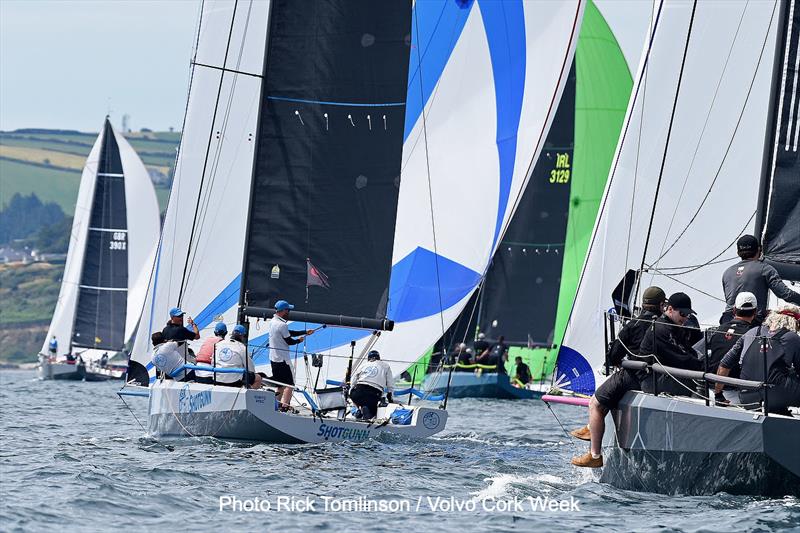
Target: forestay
[(684, 183)]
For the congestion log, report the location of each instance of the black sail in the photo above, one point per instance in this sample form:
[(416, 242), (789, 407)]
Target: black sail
[(778, 220), (103, 291), (520, 294), (330, 139)]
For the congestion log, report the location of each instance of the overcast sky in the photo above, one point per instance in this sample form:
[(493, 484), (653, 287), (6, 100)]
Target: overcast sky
[(65, 63)]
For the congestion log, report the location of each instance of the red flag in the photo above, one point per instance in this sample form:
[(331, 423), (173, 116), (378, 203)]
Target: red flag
[(315, 277)]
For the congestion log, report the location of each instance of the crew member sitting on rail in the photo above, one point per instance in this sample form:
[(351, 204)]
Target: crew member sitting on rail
[(232, 353), (368, 385), (280, 338), (522, 376), (720, 340), (481, 345), (783, 360), (669, 343), (608, 395), (168, 357), (465, 359), (752, 274), (207, 353)]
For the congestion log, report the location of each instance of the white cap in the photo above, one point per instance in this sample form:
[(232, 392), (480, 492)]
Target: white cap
[(481, 336), (745, 301)]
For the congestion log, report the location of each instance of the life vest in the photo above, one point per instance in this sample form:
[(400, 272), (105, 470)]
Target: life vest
[(753, 363)]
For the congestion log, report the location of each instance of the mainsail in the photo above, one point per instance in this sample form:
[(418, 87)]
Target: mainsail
[(684, 183), (366, 193), (111, 252)]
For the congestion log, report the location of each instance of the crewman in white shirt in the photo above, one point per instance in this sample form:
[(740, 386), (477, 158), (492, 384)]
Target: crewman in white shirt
[(369, 383)]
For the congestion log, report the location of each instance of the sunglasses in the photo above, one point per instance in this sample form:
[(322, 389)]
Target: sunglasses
[(684, 315)]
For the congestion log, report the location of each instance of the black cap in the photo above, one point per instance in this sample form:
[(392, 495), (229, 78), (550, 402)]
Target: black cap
[(374, 354), (747, 243), (681, 302)]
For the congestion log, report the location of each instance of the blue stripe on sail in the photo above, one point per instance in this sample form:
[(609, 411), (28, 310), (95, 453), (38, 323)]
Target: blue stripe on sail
[(226, 299), (573, 371), (324, 102), (440, 25), (504, 23), (320, 342), (415, 285)]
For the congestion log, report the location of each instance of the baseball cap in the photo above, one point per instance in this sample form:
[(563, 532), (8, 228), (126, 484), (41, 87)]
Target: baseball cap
[(220, 327), (481, 336), (176, 311), (681, 302), (747, 243), (653, 296), (746, 301), (283, 305), (238, 329), (374, 354)]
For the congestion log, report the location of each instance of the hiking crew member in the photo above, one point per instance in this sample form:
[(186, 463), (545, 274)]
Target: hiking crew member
[(722, 339), (783, 360), (232, 353), (752, 274), (608, 395), (369, 383), (481, 345), (280, 338), (168, 358), (205, 356), (52, 347), (176, 331), (522, 376)]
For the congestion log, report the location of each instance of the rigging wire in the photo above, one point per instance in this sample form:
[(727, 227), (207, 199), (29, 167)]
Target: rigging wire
[(669, 134), (730, 142)]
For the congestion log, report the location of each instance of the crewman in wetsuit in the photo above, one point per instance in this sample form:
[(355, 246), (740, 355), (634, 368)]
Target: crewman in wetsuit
[(752, 274), (369, 383), (626, 344), (783, 360), (720, 340), (522, 376)]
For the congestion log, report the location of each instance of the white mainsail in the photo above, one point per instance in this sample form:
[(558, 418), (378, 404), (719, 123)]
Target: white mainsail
[(481, 95), (684, 185), (140, 242)]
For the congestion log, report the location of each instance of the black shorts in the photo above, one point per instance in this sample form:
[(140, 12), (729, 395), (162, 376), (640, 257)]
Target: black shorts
[(282, 373), (614, 388)]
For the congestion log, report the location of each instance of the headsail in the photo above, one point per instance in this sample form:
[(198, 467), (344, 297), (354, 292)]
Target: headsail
[(684, 182)]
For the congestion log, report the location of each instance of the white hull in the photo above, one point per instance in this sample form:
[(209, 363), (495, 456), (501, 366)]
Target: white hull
[(192, 409), (49, 369)]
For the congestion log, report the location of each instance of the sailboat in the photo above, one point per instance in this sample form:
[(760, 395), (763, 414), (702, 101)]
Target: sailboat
[(523, 290), (324, 147), (709, 152), (111, 252)]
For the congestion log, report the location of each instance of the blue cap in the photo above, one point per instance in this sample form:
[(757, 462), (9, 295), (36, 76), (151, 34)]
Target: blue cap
[(238, 329), (176, 311), (283, 305), (220, 327)]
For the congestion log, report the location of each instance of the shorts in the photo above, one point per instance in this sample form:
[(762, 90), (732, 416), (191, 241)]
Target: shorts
[(614, 388), (282, 373)]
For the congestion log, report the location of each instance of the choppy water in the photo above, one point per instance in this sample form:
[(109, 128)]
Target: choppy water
[(72, 456)]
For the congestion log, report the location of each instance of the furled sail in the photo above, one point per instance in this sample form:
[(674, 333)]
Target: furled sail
[(463, 128), (684, 183), (778, 218), (112, 248)]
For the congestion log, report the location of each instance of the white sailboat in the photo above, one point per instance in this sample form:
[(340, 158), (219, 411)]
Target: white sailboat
[(341, 136), (111, 252), (709, 152)]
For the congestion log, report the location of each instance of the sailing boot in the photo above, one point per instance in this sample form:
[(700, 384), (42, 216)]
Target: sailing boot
[(587, 460), (581, 433)]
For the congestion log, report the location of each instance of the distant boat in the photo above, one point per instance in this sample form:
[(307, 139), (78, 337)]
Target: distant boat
[(111, 252), (709, 152), (351, 139)]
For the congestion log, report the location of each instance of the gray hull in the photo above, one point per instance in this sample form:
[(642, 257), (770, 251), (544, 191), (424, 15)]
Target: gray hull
[(194, 409), (681, 446)]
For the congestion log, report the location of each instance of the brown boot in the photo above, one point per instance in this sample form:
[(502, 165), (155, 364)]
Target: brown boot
[(582, 433), (586, 460)]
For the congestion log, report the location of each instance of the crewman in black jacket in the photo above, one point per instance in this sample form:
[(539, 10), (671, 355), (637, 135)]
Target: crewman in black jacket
[(608, 395)]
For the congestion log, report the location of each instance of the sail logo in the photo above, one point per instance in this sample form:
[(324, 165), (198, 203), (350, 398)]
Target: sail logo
[(276, 272), (189, 403), (342, 433)]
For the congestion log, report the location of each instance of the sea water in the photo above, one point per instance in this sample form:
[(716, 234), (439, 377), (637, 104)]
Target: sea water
[(74, 457)]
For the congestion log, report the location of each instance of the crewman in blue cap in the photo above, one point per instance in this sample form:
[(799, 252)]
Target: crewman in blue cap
[(176, 331), (280, 338)]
